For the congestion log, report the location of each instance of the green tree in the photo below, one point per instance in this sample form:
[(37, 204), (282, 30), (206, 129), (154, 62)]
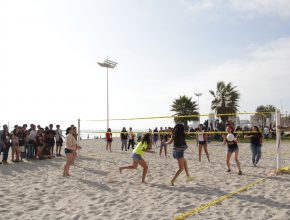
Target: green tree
[(184, 106), (226, 99)]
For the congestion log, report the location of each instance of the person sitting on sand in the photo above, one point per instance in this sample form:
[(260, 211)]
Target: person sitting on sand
[(70, 150), (179, 146), (144, 145)]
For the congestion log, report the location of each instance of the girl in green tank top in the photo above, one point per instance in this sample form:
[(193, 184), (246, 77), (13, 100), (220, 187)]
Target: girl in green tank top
[(143, 146)]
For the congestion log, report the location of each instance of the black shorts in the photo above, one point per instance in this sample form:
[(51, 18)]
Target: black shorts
[(50, 142), (68, 151), (233, 148), (59, 142)]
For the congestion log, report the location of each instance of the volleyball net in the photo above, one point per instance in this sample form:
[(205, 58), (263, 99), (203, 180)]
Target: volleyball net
[(271, 125)]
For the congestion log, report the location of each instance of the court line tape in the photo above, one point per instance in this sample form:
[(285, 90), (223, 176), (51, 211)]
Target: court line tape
[(222, 198)]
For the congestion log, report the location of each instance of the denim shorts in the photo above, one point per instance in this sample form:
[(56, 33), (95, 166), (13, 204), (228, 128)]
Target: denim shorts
[(178, 154), (163, 145), (136, 156)]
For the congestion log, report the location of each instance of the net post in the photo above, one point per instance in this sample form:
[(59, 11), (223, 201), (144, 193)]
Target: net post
[(79, 135), (278, 138), (79, 132)]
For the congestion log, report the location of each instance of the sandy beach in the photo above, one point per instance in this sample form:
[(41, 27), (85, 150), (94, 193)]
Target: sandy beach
[(96, 189)]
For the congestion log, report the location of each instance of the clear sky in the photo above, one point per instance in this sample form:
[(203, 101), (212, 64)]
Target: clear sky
[(166, 48)]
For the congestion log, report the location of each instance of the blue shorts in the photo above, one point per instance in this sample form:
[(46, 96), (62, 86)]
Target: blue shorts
[(136, 156), (202, 142), (178, 154), (163, 145)]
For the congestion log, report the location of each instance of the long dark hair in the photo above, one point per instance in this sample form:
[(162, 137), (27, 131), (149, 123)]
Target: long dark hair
[(178, 134), (68, 130), (146, 139)]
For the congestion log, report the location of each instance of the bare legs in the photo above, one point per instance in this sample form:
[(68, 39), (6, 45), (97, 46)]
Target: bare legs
[(109, 146), (229, 154), (135, 165), (165, 150), (69, 161), (58, 150), (182, 165), (200, 146)]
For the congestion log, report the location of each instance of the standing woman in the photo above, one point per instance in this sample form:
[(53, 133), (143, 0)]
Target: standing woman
[(124, 137), (70, 150), (256, 144), (179, 146), (5, 137), (231, 140), (109, 140), (143, 146), (15, 144), (202, 142)]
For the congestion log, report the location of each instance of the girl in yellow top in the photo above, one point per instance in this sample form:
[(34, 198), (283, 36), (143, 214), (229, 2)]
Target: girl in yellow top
[(70, 150), (144, 145)]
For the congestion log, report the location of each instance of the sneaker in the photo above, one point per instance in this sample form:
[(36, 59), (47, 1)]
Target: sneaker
[(229, 170), (189, 179), (240, 172)]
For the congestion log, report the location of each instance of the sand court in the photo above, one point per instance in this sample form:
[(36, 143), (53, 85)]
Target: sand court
[(96, 189)]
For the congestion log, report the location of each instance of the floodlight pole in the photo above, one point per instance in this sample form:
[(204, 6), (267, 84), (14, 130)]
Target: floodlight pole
[(107, 98), (198, 94), (108, 64)]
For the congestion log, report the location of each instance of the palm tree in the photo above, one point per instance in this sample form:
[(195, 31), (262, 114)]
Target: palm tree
[(264, 112), (184, 106), (225, 100), (261, 117), (271, 109)]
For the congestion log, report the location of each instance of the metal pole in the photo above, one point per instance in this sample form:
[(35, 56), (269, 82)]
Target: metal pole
[(79, 135), (79, 131), (198, 94), (107, 98), (198, 110), (278, 139)]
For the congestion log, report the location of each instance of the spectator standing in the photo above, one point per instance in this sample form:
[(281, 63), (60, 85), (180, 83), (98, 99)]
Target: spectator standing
[(124, 139), (59, 140), (5, 137), (131, 136)]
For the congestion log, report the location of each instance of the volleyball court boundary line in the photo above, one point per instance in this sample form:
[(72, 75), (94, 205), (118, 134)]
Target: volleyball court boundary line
[(227, 196)]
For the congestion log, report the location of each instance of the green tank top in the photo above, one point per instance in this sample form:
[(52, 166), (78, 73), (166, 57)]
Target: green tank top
[(140, 148)]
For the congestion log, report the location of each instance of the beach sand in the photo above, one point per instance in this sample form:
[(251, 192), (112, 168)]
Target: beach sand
[(96, 189)]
